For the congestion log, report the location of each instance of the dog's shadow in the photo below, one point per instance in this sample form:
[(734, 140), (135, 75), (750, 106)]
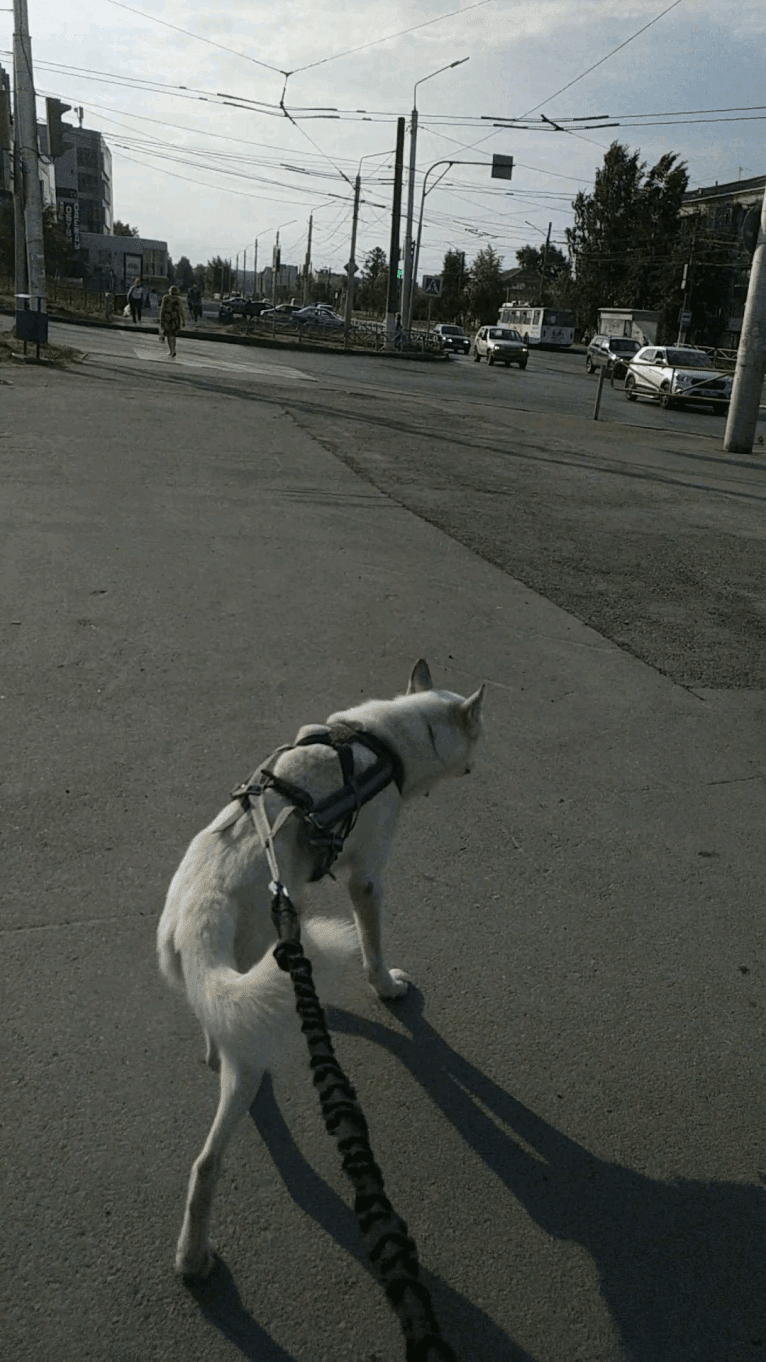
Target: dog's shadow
[(681, 1265)]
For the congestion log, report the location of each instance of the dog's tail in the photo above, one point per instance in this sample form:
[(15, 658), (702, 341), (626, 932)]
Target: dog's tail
[(251, 1017)]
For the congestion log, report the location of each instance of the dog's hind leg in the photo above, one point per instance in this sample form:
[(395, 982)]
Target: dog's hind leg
[(367, 897), (212, 1056), (194, 1257)]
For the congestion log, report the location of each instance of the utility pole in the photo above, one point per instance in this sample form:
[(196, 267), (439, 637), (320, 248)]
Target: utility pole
[(255, 268), (409, 245), (307, 264), (685, 282), (545, 265), (351, 266), (392, 297), (751, 356), (244, 272), (276, 261), (26, 173)]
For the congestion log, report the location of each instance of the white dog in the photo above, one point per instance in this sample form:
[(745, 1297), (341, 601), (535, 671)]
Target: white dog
[(215, 938)]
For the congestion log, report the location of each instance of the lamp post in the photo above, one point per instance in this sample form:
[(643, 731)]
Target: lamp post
[(448, 165), (408, 289)]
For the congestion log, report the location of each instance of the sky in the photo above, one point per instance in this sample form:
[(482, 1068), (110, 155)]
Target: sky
[(229, 121)]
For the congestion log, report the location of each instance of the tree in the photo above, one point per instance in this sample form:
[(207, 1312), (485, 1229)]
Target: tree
[(486, 290), (7, 238), (59, 253), (59, 256), (372, 290), (452, 304), (124, 229), (217, 275), (625, 234), (553, 270), (184, 273), (199, 277)]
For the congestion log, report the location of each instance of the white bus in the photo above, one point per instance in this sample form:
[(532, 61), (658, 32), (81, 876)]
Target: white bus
[(552, 326)]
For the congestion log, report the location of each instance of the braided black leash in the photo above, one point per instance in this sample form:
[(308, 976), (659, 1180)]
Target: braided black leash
[(390, 1248)]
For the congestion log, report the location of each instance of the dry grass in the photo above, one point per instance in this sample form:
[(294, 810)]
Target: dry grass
[(12, 350)]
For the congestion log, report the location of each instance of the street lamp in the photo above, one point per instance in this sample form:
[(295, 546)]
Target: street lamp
[(408, 289), (448, 165)]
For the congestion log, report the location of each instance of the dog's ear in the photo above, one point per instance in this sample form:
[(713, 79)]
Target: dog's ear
[(420, 678), (471, 710)]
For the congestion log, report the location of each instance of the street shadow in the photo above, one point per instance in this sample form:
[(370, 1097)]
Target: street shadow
[(220, 1304), (682, 1264), (474, 1336)]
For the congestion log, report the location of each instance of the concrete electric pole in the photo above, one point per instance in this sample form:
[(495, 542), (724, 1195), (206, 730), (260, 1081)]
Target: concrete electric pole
[(544, 265), (351, 266), (26, 174), (751, 356), (392, 296), (307, 264)]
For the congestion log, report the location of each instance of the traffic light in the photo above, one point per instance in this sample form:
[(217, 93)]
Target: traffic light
[(56, 129)]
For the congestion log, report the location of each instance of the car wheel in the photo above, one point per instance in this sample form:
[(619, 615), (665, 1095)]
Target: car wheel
[(590, 367), (477, 357), (490, 360), (507, 363), (522, 364), (666, 401), (630, 388)]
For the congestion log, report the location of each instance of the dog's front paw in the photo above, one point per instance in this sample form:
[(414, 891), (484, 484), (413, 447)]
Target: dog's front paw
[(191, 1264), (393, 984)]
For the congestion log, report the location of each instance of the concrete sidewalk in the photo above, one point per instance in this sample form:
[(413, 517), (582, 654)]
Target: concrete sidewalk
[(566, 1109)]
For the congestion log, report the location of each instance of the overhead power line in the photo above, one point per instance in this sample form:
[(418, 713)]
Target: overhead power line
[(601, 60)]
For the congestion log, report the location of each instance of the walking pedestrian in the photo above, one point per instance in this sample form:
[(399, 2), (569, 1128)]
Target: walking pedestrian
[(136, 300), (171, 318), (194, 302)]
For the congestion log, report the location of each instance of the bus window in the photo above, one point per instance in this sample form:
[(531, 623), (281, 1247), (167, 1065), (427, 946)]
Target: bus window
[(536, 319)]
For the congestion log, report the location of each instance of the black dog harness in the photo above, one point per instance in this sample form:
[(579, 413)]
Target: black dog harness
[(328, 821)]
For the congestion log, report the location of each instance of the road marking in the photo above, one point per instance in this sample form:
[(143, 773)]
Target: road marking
[(277, 373)]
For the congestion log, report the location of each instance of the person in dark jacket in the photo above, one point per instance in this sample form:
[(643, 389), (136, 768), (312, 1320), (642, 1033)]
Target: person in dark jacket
[(136, 300)]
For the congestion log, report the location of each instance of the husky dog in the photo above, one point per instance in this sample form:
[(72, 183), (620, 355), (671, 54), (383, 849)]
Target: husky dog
[(215, 938)]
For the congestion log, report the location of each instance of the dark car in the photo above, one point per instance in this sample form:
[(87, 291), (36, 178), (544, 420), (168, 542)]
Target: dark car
[(452, 338), (612, 353), (238, 306)]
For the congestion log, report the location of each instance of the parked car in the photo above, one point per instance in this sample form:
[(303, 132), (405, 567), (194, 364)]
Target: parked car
[(500, 345), (318, 315), (612, 353), (239, 306), (452, 338), (287, 309), (677, 375)]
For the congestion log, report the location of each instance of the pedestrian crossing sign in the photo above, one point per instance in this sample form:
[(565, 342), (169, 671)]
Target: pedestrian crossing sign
[(432, 285)]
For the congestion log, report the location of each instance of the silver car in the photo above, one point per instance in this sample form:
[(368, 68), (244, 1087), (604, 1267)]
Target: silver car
[(677, 375), (500, 345)]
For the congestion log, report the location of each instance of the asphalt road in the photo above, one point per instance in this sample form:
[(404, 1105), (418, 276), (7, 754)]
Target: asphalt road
[(199, 556), (638, 524)]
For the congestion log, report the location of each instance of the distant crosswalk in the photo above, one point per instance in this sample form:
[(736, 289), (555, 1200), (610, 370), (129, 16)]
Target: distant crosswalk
[(275, 373)]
